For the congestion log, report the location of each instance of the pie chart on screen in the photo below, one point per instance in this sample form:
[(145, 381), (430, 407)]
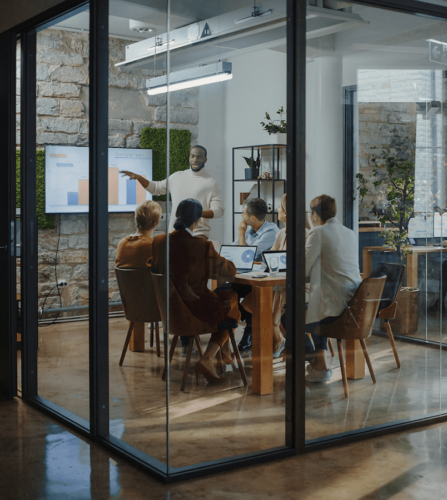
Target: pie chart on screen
[(248, 256), (283, 259)]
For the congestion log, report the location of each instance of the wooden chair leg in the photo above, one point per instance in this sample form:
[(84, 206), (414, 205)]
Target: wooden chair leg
[(199, 347), (238, 357), (157, 338), (329, 343), (393, 344), (152, 335), (171, 354), (188, 359), (219, 368), (342, 368), (368, 361), (126, 343)]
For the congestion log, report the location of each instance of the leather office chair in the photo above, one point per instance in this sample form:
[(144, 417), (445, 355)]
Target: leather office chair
[(356, 322), (139, 302), (182, 322), (388, 305)]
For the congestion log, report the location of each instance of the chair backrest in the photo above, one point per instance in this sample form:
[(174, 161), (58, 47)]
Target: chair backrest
[(138, 295), (358, 318), (394, 276), (181, 320)]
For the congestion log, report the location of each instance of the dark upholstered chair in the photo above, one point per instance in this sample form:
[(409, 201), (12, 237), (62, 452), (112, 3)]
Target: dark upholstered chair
[(182, 322), (388, 305), (356, 322), (139, 302)]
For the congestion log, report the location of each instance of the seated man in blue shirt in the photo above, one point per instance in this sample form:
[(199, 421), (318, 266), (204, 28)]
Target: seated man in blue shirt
[(253, 230)]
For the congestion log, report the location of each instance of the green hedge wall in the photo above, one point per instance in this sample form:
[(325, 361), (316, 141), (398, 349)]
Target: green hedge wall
[(156, 139), (43, 221)]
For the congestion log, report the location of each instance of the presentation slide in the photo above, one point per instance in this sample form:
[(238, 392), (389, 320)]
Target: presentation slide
[(66, 179)]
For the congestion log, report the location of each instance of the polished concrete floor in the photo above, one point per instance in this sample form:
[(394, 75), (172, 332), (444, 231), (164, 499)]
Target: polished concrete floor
[(213, 422), (41, 460)]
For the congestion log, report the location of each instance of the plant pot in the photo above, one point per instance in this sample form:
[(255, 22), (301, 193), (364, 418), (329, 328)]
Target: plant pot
[(279, 138), (407, 314), (251, 173)]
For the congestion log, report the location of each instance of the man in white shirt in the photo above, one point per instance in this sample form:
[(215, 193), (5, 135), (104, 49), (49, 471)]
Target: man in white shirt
[(194, 183), (332, 263)]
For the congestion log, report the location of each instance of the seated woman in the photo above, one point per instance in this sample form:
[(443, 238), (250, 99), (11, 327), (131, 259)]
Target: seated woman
[(279, 292), (332, 262), (192, 262), (135, 251)]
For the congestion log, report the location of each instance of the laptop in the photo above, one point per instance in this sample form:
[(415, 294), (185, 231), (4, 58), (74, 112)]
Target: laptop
[(281, 256), (243, 257)]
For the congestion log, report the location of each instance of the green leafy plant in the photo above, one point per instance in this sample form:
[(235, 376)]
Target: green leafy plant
[(43, 221), (395, 204), (179, 144), (252, 162), (275, 126)]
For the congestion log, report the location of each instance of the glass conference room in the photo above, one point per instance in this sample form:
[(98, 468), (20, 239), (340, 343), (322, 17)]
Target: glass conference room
[(367, 94)]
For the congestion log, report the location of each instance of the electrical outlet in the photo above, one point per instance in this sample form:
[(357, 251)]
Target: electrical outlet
[(62, 283)]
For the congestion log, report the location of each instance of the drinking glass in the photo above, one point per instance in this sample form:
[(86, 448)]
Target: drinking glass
[(274, 265)]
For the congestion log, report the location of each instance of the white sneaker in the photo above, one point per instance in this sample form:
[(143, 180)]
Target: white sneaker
[(318, 376), (185, 351)]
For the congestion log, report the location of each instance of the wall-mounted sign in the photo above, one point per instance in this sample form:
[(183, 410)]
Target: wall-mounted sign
[(437, 52)]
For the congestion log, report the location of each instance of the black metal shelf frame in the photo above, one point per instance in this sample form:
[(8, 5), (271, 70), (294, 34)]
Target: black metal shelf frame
[(97, 428), (275, 149)]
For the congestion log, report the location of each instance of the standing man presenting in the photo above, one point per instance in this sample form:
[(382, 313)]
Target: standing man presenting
[(194, 183)]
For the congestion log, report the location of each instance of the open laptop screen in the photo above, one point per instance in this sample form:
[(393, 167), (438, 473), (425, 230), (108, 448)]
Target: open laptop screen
[(243, 257), (281, 256)]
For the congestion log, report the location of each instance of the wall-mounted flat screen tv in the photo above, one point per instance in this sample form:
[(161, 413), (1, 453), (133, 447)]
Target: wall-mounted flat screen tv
[(66, 179)]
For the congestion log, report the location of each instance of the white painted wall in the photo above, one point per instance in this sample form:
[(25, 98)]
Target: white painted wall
[(324, 130)]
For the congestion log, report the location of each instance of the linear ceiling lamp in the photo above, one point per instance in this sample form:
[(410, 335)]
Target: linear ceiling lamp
[(192, 77)]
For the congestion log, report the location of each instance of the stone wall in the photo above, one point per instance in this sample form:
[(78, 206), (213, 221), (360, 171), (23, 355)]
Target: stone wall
[(382, 124), (62, 93)]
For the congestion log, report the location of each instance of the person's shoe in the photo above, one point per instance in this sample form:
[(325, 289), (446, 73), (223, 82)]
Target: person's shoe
[(318, 376), (185, 351), (245, 343), (277, 354), (199, 368)]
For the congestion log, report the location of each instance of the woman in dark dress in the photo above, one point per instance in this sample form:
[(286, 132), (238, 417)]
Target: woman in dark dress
[(192, 262)]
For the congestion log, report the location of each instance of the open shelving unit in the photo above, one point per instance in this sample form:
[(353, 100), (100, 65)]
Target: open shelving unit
[(277, 165)]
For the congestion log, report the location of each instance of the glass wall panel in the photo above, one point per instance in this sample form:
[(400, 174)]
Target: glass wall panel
[(379, 76), (137, 155), (221, 406), (62, 212)]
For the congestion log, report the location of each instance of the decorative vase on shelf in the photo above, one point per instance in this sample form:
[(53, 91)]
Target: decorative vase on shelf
[(278, 138), (251, 173)]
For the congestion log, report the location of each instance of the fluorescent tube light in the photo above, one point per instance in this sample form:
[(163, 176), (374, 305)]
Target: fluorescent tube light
[(254, 15), (192, 77)]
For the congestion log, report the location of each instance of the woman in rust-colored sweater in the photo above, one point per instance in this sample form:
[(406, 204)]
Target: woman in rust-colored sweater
[(135, 251)]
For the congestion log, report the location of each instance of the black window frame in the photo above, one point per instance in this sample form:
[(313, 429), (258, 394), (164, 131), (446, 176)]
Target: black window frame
[(97, 429)]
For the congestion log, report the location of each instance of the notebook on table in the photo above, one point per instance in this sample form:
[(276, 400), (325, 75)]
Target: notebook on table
[(243, 257)]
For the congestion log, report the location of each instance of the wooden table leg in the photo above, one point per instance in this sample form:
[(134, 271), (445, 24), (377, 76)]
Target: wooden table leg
[(412, 270), (262, 341), (355, 360), (367, 263), (136, 343)]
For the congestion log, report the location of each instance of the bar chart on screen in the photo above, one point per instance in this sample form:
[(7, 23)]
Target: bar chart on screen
[(67, 179)]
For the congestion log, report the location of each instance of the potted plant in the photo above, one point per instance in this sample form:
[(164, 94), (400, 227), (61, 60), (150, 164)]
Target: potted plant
[(276, 127), (252, 172), (393, 206)]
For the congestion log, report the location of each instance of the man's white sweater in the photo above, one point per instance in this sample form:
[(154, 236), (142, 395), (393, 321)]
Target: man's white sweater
[(189, 184)]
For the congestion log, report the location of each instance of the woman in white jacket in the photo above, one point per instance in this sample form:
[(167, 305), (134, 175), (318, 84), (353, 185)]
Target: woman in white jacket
[(333, 266)]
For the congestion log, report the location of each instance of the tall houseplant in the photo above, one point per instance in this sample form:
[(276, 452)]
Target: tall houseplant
[(393, 205)]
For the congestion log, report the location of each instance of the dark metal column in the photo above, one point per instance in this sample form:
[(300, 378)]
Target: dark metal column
[(8, 305), (99, 218), (296, 180), (28, 214)]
